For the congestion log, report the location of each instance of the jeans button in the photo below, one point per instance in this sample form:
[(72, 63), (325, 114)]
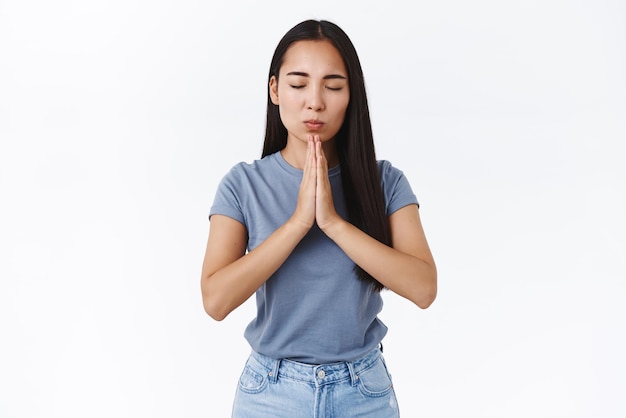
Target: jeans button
[(321, 374)]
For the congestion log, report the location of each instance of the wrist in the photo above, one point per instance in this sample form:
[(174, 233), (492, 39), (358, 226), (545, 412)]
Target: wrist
[(297, 226), (334, 227)]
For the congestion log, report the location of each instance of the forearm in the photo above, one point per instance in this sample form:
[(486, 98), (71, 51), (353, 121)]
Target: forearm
[(407, 275), (229, 287)]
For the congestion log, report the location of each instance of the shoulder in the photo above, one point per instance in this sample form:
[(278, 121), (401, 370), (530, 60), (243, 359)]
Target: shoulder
[(245, 166), (244, 169), (396, 188), (388, 172), (237, 187)]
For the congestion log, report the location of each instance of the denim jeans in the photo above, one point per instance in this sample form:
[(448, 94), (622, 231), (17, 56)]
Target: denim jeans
[(285, 388)]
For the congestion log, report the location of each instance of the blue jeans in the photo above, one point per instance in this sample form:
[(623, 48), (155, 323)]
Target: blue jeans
[(285, 388)]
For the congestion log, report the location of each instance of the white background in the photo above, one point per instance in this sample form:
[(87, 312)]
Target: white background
[(118, 119)]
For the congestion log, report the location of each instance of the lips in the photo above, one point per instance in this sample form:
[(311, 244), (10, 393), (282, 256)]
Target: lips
[(313, 124)]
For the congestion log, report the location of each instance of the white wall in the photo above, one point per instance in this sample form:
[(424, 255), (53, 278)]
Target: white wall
[(118, 119)]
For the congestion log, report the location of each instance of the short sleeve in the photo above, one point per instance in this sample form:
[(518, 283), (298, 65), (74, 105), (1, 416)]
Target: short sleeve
[(396, 188), (227, 197)]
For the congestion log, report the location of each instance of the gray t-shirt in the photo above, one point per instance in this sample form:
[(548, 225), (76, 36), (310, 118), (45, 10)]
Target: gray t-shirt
[(313, 309)]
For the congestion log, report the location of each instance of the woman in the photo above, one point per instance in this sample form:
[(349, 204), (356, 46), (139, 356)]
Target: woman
[(316, 228)]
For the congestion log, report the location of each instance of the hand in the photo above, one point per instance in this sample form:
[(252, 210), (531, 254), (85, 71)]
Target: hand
[(325, 213), (305, 208)]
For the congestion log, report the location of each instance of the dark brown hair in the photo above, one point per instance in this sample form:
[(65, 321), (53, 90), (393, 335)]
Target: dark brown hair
[(355, 143)]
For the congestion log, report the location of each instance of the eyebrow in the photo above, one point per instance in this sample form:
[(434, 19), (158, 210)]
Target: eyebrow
[(326, 77)]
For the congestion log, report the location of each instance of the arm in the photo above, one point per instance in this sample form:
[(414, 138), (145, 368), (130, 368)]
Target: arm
[(407, 267), (229, 275)]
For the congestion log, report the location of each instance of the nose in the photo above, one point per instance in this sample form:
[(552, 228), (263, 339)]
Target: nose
[(315, 100)]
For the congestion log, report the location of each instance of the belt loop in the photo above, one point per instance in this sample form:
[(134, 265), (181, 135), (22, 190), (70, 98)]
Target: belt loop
[(273, 374), (353, 376)]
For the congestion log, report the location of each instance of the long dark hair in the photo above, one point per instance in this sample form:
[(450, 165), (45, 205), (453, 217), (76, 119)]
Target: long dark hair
[(355, 143)]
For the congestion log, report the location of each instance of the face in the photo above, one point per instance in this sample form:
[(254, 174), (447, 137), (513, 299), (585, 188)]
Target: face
[(311, 91)]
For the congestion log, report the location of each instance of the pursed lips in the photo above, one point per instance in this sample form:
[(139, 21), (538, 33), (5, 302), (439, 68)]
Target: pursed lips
[(314, 124)]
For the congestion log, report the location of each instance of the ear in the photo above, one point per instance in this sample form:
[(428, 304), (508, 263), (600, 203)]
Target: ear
[(274, 90)]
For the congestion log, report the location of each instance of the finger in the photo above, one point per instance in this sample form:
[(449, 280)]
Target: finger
[(310, 164), (320, 156), (312, 157), (319, 151), (310, 151)]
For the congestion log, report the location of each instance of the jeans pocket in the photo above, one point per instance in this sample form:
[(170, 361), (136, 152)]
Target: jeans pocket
[(252, 380), (376, 380)]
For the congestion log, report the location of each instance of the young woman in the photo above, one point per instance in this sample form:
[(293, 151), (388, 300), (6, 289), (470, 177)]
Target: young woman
[(316, 229)]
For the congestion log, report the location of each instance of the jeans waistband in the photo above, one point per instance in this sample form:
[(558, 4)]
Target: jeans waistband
[(318, 374)]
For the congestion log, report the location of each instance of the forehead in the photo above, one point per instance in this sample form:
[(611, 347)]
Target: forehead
[(314, 58)]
